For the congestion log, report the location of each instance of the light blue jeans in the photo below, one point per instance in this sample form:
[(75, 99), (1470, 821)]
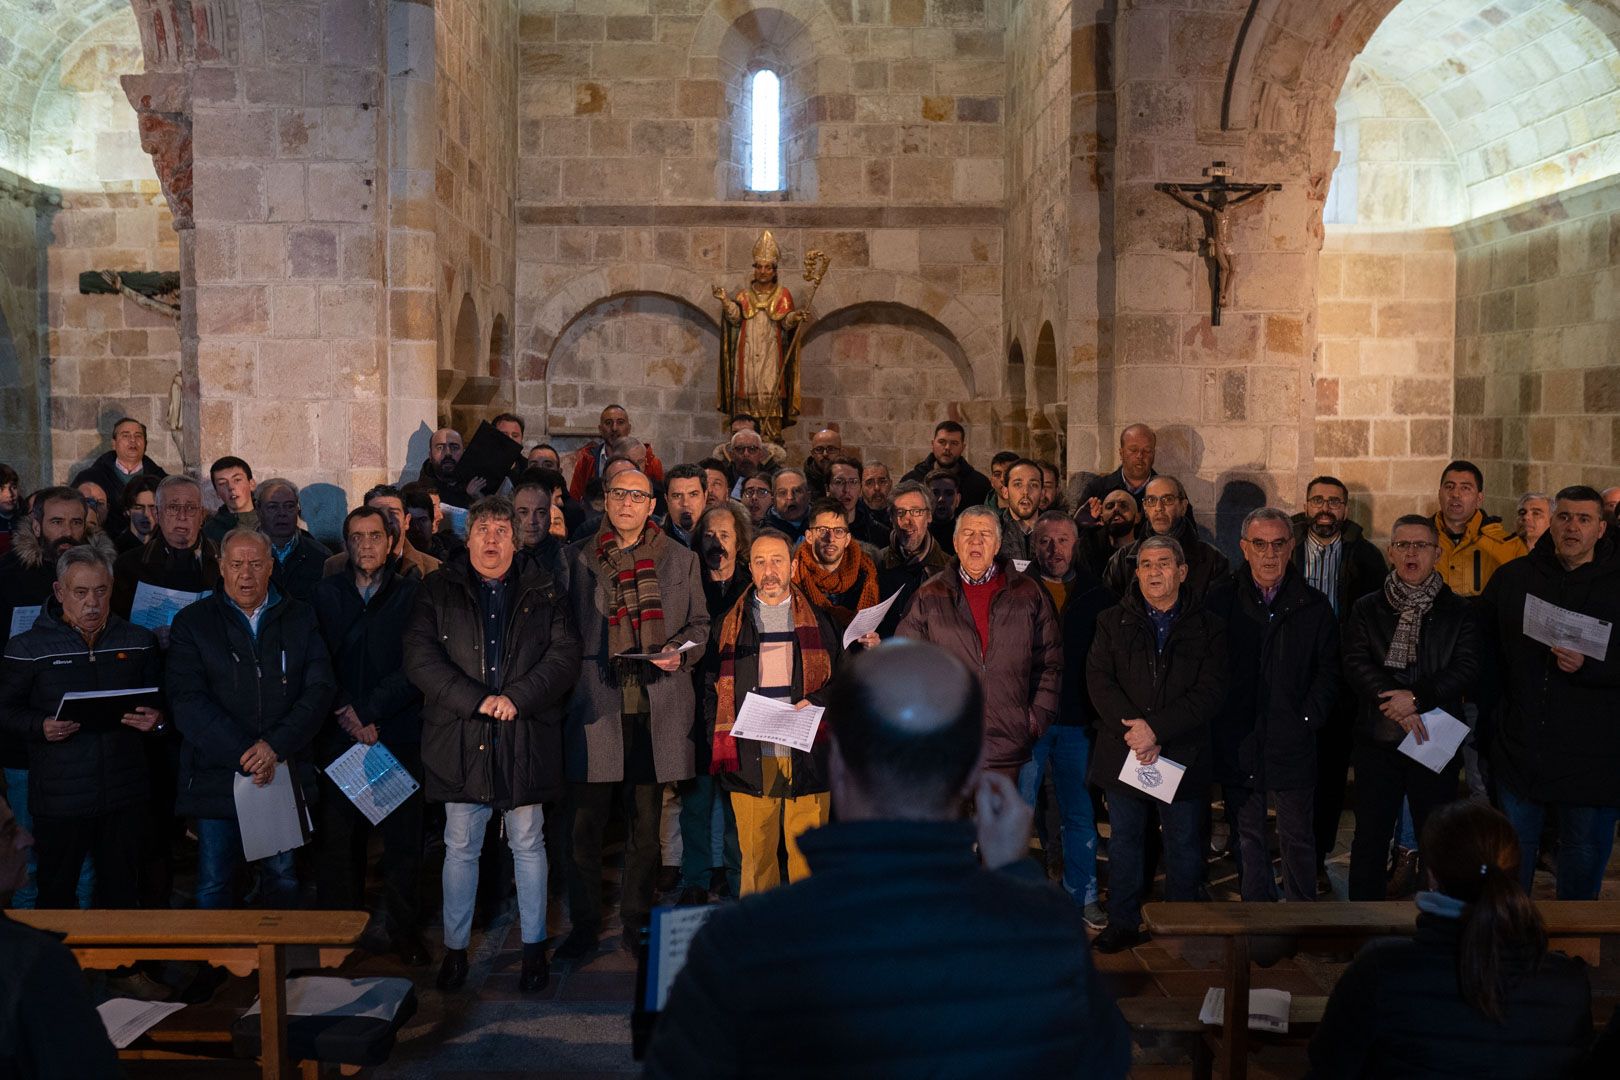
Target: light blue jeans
[(464, 825), (25, 897), (1066, 750)]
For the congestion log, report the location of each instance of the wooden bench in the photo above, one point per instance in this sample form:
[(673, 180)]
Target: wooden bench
[(1279, 928), (242, 942)]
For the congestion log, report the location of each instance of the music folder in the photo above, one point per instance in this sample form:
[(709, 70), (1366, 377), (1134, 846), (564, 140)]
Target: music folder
[(103, 710)]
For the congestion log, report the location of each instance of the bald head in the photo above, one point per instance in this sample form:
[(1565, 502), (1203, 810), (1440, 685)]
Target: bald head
[(1137, 445), (907, 725)]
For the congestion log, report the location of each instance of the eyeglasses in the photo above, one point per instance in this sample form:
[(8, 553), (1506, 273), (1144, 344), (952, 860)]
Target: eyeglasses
[(1276, 547), (1316, 502), (919, 512), (629, 495), (1160, 500), (1412, 547), (837, 532)]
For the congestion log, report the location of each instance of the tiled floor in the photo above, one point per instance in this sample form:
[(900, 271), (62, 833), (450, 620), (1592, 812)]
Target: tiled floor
[(579, 1027)]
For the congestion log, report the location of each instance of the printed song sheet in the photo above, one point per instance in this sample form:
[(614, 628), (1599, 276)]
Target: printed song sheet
[(869, 619), (1268, 1009), (1553, 625), (269, 816), (1446, 733), (1159, 779), (668, 939), (765, 719), (22, 619), (127, 1019), (156, 606), (373, 779)]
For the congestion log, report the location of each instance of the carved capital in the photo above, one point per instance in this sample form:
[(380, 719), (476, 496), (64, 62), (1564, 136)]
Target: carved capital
[(162, 104)]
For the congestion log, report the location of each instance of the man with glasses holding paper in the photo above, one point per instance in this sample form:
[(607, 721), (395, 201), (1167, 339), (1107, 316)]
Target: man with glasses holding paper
[(637, 597), (1548, 618), (1411, 655), (178, 562), (776, 647), (1157, 676)]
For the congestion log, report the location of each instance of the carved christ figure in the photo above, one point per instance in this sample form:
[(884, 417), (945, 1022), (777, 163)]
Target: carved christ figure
[(759, 346), (1214, 204)]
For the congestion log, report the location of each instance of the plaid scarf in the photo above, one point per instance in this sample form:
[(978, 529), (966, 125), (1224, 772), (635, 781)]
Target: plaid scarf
[(636, 615), (815, 662), (818, 584), (1412, 602)]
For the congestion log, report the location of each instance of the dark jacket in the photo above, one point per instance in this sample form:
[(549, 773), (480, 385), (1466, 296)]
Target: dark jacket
[(1088, 599), (467, 756), (809, 770), (1283, 676), (1448, 666), (298, 574), (1205, 564), (985, 975), (92, 772), (794, 530), (1397, 1011), (367, 643), (1015, 542), (1021, 670), (229, 689), (26, 577), (867, 528), (719, 599), (194, 570), (1178, 692), (1098, 487), (1362, 567), (112, 481), (1557, 736), (225, 519), (973, 485), (49, 1030), (1094, 549), (898, 573)]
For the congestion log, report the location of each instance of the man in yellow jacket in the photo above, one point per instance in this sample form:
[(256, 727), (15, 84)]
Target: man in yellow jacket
[(1472, 545)]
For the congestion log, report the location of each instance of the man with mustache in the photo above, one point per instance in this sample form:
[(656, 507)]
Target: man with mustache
[(1020, 507), (1167, 512), (1337, 560), (1115, 529)]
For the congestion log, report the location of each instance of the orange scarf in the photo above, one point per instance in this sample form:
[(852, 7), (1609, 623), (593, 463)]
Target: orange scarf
[(836, 592)]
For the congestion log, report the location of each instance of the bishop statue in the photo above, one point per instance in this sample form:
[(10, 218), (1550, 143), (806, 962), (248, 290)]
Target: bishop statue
[(760, 332)]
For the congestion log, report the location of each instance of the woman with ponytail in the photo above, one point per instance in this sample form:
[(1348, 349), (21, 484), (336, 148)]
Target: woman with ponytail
[(1474, 992)]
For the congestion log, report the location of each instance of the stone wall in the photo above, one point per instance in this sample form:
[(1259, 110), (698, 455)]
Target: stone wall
[(1384, 370), (21, 400), (629, 182), (1538, 388)]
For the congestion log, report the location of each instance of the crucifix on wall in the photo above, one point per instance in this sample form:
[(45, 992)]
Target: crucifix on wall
[(1214, 200)]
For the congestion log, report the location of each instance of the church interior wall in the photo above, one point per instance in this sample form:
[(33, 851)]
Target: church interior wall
[(23, 429)]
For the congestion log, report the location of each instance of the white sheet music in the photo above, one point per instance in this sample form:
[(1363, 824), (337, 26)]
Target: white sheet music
[(765, 719), (1553, 625), (867, 620), (1159, 779), (156, 606), (22, 619), (669, 939), (373, 779), (1446, 733), (1268, 1009), (268, 816), (127, 1019)]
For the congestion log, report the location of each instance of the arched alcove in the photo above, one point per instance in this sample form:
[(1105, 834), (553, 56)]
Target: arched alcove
[(769, 38), (499, 350), (466, 393), (1047, 416), (1013, 431)]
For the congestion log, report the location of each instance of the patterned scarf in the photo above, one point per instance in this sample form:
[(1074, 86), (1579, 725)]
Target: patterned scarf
[(1412, 602), (636, 615), (818, 584), (814, 662)]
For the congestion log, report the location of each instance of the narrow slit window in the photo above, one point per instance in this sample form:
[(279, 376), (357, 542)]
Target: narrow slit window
[(765, 132)]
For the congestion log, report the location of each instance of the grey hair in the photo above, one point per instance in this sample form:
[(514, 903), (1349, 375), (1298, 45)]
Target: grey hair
[(745, 431), (1527, 496), (266, 486), (979, 512), (794, 469), (1181, 492), (622, 447), (1165, 542), (169, 483), (913, 487), (82, 555), (877, 465), (240, 533), (1265, 513)]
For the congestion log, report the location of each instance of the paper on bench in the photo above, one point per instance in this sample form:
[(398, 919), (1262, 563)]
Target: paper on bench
[(669, 937), (378, 997), (373, 779), (765, 719), (127, 1019), (1446, 733), (22, 619), (268, 816), (868, 619), (1159, 779), (1268, 1009)]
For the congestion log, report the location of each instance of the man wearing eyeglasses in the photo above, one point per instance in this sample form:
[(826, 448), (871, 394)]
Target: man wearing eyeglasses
[(1337, 560), (177, 557), (836, 575), (1282, 649), (1167, 512), (844, 488), (1410, 647), (637, 597), (912, 555)]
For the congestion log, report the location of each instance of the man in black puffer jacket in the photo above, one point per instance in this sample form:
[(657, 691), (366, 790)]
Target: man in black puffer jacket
[(1157, 675), (494, 652), (249, 682), (1410, 647), (1166, 511), (362, 613), (915, 954), (1557, 744), (1282, 648), (87, 788)]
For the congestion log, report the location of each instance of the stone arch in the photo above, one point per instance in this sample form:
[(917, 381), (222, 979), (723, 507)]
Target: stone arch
[(500, 348), (1014, 427), (1047, 415), (466, 392)]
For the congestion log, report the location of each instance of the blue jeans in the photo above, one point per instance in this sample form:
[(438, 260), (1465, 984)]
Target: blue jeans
[(219, 857), (1182, 827), (1585, 840), (464, 825), (1067, 750), (699, 798), (25, 897)]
